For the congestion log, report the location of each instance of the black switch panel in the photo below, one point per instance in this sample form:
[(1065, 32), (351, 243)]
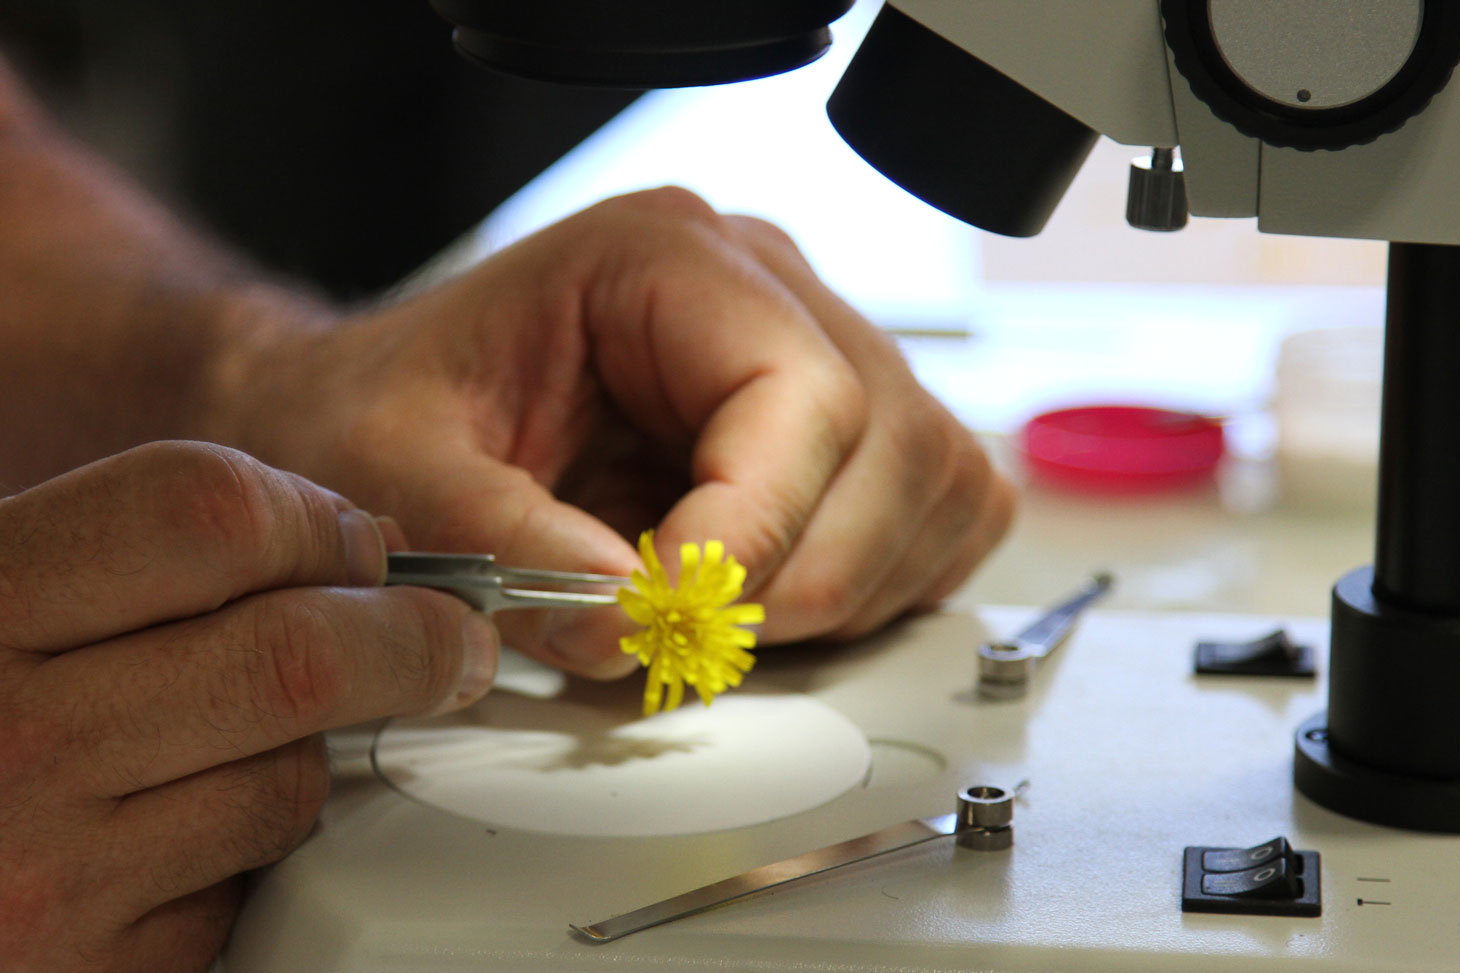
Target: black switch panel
[(1272, 655), (1270, 879)]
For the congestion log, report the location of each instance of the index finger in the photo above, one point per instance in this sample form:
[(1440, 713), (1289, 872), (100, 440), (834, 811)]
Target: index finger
[(173, 700), (163, 532)]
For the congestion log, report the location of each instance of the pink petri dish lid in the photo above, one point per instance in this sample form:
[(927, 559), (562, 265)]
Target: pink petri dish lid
[(1122, 448)]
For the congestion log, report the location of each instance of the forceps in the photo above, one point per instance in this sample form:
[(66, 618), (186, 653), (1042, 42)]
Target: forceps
[(481, 582)]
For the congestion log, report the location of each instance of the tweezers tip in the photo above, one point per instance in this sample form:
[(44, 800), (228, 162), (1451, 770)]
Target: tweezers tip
[(589, 933)]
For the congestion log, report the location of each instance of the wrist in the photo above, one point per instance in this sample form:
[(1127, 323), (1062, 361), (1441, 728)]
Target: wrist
[(261, 334)]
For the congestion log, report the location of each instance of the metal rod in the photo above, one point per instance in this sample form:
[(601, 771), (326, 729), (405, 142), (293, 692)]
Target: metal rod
[(894, 838)]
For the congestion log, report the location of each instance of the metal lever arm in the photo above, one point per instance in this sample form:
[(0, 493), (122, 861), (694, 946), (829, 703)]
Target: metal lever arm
[(983, 821), (1053, 627), (893, 838)]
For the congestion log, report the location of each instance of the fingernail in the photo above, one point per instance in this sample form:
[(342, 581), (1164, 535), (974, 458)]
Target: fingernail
[(364, 548), (479, 649)]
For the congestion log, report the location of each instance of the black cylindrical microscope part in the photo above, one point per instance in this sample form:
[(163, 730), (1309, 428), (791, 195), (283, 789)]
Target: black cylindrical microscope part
[(640, 44), (1417, 554), (953, 131), (1388, 748)]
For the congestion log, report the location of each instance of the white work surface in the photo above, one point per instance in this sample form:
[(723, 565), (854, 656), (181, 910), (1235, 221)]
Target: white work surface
[(1130, 757)]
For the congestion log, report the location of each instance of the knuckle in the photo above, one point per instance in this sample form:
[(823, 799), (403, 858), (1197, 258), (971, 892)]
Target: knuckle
[(824, 600), (244, 516), (1000, 509), (848, 398), (765, 233), (272, 802), (962, 475), (949, 457), (218, 497), (300, 786), (766, 532), (985, 523), (674, 202), (974, 499), (972, 480), (968, 482), (423, 644), (304, 675), (926, 450)]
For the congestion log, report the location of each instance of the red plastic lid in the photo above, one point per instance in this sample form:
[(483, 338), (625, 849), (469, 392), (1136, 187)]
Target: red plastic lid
[(1122, 448)]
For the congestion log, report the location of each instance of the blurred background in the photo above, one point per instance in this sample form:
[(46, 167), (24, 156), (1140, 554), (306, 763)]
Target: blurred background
[(342, 142)]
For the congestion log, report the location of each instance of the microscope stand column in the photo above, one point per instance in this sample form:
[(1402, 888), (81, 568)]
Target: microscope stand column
[(1388, 748)]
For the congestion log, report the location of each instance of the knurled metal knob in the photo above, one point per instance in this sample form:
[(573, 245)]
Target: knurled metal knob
[(1156, 199)]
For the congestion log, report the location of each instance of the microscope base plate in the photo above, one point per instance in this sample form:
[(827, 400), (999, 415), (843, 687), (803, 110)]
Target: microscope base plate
[(1130, 756)]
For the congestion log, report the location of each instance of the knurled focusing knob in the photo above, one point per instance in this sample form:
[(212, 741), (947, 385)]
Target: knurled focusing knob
[(1314, 74), (1156, 198)]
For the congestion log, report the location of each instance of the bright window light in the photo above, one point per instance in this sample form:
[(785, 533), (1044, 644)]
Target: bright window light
[(766, 148)]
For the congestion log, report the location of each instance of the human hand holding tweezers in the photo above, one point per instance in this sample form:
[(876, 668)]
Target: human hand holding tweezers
[(488, 586)]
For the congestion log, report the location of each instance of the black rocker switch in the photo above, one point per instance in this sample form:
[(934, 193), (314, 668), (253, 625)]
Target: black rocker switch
[(1241, 859), (1270, 879), (1272, 655), (1274, 880)]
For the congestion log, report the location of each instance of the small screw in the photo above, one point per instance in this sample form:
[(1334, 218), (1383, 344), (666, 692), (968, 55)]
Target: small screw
[(1304, 94)]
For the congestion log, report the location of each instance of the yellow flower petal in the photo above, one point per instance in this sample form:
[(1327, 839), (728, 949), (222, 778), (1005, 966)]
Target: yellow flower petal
[(689, 566), (747, 614), (676, 696), (651, 557), (714, 552), (636, 606), (690, 631)]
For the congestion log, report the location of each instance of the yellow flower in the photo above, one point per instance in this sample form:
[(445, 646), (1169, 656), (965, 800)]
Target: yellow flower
[(690, 632)]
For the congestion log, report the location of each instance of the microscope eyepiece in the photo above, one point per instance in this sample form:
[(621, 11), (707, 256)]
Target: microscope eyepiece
[(953, 131)]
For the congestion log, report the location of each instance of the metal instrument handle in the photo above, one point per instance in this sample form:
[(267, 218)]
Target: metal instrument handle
[(484, 584), (1053, 627), (1006, 668)]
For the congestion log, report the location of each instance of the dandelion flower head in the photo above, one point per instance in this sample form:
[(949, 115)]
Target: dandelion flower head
[(691, 631)]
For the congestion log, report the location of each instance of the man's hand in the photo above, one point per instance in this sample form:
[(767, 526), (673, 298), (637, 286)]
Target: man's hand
[(177, 625), (647, 362)]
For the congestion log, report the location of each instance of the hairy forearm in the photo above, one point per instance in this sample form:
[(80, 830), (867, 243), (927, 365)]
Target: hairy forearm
[(118, 324)]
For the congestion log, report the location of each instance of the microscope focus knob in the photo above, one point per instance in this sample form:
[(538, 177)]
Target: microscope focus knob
[(1314, 74), (1156, 197)]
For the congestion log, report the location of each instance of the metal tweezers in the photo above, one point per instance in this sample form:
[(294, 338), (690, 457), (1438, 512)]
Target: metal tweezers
[(488, 586)]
